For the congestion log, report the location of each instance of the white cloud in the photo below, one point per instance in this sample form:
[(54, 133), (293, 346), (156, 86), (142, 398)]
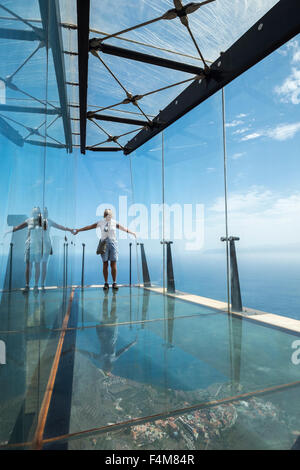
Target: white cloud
[(296, 56), (237, 155), (281, 132), (234, 123), (252, 201), (295, 48), (252, 136), (241, 131), (258, 216), (289, 91), (284, 131)]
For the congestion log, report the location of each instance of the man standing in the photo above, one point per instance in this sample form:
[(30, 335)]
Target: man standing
[(38, 244)]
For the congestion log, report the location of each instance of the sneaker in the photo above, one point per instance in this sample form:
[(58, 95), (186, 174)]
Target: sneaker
[(114, 286), (35, 289), (106, 287)]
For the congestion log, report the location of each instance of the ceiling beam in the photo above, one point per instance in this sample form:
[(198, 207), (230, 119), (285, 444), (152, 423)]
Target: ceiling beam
[(97, 45), (104, 117), (51, 21), (19, 34), (104, 149), (83, 24), (44, 144), (29, 109), (10, 133)]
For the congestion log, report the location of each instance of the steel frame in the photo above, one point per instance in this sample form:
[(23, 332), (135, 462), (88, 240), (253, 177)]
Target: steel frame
[(51, 22), (49, 35), (95, 44), (104, 117), (83, 22), (274, 29)]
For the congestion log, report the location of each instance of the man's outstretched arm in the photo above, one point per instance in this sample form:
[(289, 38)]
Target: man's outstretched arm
[(84, 229), (61, 227), (124, 229), (16, 228)]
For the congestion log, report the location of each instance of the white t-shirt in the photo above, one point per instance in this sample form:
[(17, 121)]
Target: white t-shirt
[(38, 238), (47, 224), (108, 229), (34, 236)]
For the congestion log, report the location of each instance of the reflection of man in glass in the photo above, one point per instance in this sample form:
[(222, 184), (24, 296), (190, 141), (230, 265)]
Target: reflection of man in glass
[(38, 244), (107, 332)]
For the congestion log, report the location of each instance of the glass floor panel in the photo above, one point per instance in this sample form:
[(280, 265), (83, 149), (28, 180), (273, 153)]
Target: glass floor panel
[(28, 326), (262, 422), (130, 360), (129, 305), (42, 309), (23, 380)]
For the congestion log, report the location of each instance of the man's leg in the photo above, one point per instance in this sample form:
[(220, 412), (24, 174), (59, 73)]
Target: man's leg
[(105, 271), (27, 276), (44, 272), (37, 273), (113, 263), (105, 308), (28, 273)]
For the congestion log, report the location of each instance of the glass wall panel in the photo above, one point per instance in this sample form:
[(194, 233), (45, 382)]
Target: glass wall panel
[(147, 177), (22, 110), (194, 218), (103, 181), (59, 206), (30, 180), (263, 141)]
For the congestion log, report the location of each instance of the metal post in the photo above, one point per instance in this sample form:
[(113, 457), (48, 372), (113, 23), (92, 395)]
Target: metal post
[(171, 312), (10, 266), (130, 245), (236, 299), (145, 307), (146, 276), (64, 266), (67, 264), (170, 272), (82, 268)]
